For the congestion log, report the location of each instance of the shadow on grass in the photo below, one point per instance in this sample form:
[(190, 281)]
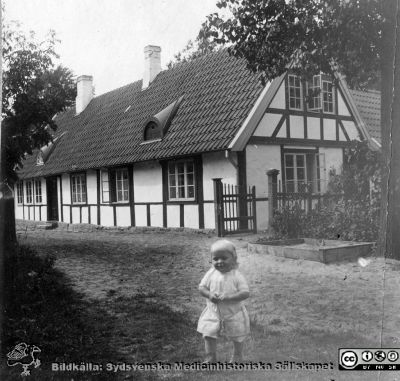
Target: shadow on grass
[(42, 309)]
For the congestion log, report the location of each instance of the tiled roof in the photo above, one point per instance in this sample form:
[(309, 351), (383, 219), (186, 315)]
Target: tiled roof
[(218, 93), (369, 106)]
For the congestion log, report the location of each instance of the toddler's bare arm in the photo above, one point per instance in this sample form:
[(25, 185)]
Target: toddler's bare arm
[(236, 296), (207, 294)]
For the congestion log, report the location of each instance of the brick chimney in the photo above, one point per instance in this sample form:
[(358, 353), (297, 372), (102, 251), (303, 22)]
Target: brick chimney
[(84, 85), (152, 64)]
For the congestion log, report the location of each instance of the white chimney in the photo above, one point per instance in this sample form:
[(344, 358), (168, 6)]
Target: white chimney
[(152, 64), (84, 85)]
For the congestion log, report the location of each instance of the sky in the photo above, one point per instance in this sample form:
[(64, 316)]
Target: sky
[(106, 38)]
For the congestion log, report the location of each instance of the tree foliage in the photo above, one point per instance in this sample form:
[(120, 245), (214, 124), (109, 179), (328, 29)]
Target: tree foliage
[(309, 36), (34, 90), (202, 44)]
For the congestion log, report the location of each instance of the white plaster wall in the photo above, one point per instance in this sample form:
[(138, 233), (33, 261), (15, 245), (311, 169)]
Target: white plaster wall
[(267, 124), (329, 129), (342, 137), (147, 182), (313, 128), (75, 216), (333, 159), (106, 216), (191, 216), (66, 189), (296, 127), (66, 214), (351, 130), (19, 212), (215, 165), (173, 214), (342, 108), (282, 133), (262, 215), (140, 215), (123, 216), (259, 160), (279, 99), (156, 215), (91, 184), (93, 215), (209, 216), (85, 215)]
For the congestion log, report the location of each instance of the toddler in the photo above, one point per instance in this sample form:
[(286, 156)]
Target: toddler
[(225, 315)]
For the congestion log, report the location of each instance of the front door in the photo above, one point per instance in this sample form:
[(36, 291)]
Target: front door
[(52, 199)]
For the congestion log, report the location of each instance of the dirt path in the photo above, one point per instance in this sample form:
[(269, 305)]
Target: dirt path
[(303, 311)]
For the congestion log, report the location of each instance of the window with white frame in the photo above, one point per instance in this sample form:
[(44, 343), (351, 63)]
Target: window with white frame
[(20, 192), (181, 184), (38, 191), (29, 192), (295, 92), (105, 186), (121, 185), (304, 172), (314, 93), (327, 96), (78, 188), (320, 93), (115, 185)]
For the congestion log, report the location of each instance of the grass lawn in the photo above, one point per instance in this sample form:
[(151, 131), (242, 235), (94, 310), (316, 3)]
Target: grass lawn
[(136, 301)]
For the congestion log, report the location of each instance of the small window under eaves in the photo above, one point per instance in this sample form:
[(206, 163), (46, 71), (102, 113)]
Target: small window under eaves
[(152, 131)]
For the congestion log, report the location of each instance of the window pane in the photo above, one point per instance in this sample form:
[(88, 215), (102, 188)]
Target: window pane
[(181, 192), (181, 179), (189, 167), (181, 168), (301, 174), (126, 195), (289, 173), (190, 179), (190, 191), (106, 196), (289, 160), (299, 160), (289, 186), (171, 168), (119, 195), (172, 192), (172, 181)]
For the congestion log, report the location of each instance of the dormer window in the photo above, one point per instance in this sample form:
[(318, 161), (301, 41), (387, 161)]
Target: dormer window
[(152, 131), (321, 94), (295, 92), (157, 126), (39, 158)]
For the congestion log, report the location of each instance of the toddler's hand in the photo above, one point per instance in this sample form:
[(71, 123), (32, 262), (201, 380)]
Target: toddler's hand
[(214, 298)]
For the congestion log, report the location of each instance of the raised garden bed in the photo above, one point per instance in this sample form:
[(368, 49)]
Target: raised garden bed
[(325, 251)]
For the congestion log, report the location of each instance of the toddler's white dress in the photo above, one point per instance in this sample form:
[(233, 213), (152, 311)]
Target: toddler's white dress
[(236, 322)]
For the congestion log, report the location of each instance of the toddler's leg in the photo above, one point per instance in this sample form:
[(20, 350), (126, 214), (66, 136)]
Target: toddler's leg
[(211, 348), (237, 352)]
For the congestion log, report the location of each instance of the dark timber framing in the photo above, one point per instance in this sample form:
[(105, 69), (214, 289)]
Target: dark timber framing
[(131, 195)]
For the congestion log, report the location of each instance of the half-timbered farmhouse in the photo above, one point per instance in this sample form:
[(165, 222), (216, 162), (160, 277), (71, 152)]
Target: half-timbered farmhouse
[(162, 151)]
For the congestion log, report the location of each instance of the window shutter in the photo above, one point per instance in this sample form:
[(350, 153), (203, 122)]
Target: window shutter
[(113, 191)]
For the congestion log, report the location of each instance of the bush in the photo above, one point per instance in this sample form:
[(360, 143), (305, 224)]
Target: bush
[(352, 212)]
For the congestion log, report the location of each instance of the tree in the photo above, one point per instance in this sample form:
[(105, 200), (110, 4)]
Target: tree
[(203, 44), (34, 90), (357, 38)]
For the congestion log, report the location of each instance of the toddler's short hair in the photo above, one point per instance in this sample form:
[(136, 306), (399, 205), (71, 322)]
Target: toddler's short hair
[(224, 244)]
